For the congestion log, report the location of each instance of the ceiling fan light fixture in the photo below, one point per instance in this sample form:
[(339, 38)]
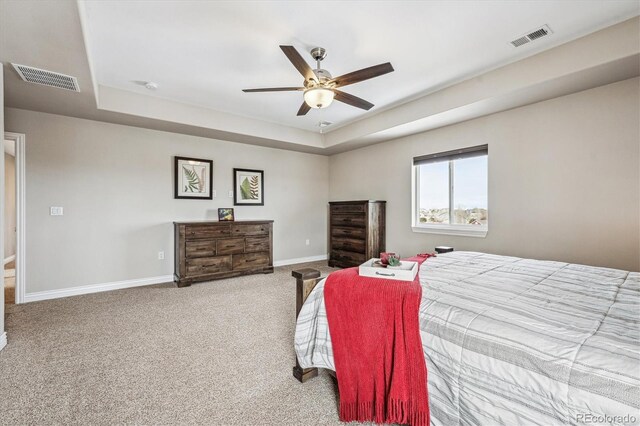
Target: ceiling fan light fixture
[(320, 88), (318, 97)]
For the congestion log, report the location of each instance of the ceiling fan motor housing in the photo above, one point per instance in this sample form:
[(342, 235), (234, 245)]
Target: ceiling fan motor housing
[(323, 75)]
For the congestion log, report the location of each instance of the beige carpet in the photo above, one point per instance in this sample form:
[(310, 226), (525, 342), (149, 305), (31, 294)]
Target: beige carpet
[(214, 353)]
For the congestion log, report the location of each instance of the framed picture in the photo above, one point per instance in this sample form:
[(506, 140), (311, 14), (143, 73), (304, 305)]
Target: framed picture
[(249, 187), (225, 215), (193, 178)]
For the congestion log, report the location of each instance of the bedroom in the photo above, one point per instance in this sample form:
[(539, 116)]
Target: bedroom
[(101, 333)]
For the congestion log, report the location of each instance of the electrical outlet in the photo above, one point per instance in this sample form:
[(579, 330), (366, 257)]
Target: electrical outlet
[(160, 255), (306, 242), (230, 194), (56, 211)]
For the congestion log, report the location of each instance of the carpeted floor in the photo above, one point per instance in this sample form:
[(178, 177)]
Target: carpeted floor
[(214, 353)]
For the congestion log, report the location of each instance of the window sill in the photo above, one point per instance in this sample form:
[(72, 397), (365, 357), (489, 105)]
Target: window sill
[(460, 230)]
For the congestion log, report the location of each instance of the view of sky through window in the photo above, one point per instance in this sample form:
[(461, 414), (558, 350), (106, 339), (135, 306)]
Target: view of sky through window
[(469, 192)]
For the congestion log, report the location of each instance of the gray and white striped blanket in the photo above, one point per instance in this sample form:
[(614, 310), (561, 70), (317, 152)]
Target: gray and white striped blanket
[(512, 341)]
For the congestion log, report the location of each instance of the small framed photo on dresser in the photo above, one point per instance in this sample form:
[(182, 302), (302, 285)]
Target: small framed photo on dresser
[(225, 215), (248, 187), (193, 178)]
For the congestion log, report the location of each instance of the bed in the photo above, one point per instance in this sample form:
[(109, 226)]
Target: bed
[(511, 341)]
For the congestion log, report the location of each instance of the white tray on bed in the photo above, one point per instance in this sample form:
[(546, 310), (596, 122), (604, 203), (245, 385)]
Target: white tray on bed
[(406, 271)]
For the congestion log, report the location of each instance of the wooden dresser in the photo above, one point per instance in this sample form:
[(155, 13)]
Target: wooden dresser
[(356, 232), (206, 251)]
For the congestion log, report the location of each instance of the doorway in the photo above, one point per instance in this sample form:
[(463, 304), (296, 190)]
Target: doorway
[(9, 222), (14, 201)]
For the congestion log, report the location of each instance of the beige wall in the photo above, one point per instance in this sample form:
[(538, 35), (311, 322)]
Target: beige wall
[(9, 205), (116, 186), (564, 179)]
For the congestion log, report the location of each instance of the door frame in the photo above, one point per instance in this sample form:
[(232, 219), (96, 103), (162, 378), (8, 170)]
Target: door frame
[(19, 140)]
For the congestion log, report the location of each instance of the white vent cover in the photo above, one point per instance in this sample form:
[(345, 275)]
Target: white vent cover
[(532, 35), (47, 78)]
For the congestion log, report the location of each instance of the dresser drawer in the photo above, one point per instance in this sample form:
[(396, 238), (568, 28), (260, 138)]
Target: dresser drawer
[(348, 256), (230, 246), (249, 229), (349, 244), (347, 208), (193, 232), (253, 244), (208, 265), (200, 248), (338, 232), (348, 220), (250, 260)]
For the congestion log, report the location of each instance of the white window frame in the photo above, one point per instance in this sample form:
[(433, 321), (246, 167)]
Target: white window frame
[(450, 228)]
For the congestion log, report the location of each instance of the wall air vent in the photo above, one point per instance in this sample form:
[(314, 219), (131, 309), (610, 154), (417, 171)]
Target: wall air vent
[(47, 78), (532, 35)]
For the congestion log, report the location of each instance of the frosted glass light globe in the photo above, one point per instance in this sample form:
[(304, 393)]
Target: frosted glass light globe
[(318, 97)]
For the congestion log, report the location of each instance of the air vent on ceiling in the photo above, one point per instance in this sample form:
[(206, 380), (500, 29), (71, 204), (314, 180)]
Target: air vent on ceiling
[(47, 78), (532, 35)]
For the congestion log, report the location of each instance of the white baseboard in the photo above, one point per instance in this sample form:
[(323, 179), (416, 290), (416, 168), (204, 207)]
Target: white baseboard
[(3, 340), (299, 260), (95, 288), (10, 259)]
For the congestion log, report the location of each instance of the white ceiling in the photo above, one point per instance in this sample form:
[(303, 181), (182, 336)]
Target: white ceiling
[(204, 53)]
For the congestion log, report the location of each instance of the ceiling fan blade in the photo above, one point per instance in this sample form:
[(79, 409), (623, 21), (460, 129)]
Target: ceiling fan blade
[(274, 89), (352, 100), (363, 74), (304, 109), (301, 65)]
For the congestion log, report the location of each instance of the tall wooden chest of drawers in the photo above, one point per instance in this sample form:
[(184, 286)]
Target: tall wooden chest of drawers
[(206, 251), (356, 232)]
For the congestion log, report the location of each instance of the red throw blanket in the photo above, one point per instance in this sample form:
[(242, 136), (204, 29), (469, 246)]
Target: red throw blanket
[(375, 334)]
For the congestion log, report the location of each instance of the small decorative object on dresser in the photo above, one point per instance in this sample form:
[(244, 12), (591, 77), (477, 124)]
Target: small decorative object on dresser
[(207, 250), (225, 215), (356, 232)]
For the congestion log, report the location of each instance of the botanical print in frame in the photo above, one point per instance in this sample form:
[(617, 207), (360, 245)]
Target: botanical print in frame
[(249, 187), (225, 214), (193, 178)]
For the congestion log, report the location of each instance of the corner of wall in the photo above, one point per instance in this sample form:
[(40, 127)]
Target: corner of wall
[(3, 336)]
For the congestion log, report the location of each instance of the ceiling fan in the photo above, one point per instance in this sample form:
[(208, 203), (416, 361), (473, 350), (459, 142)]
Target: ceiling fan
[(319, 87)]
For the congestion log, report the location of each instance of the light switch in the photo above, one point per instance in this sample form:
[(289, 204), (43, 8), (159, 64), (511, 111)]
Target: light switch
[(213, 193), (230, 194), (56, 211)]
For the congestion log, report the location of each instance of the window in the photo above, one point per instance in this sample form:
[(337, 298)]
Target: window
[(450, 192)]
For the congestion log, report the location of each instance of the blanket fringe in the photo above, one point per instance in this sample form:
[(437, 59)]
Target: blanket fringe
[(397, 411)]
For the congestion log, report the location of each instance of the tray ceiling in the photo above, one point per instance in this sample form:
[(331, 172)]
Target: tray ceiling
[(453, 62), (204, 53)]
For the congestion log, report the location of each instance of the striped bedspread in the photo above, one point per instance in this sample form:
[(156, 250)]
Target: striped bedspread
[(512, 341)]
